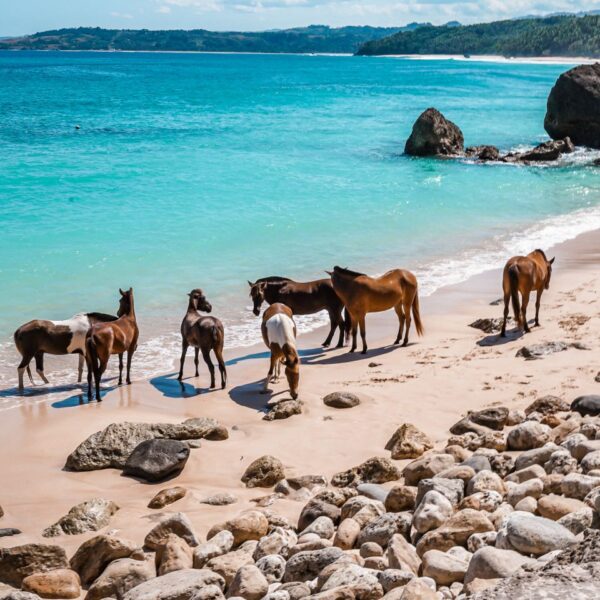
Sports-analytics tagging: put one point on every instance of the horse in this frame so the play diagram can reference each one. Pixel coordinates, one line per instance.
(116, 337)
(39, 336)
(279, 334)
(525, 274)
(203, 333)
(361, 294)
(303, 298)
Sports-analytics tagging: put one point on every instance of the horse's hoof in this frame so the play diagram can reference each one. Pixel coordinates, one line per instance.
(325, 344)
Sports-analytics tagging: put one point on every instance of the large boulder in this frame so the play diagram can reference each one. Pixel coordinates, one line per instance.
(434, 135)
(573, 107)
(536, 535)
(493, 563)
(120, 576)
(87, 516)
(265, 471)
(177, 585)
(19, 562)
(112, 446)
(158, 459)
(408, 442)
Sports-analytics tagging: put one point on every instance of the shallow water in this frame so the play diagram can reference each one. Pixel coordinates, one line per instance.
(209, 170)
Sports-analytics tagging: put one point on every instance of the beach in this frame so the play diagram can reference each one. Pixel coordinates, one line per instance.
(431, 383)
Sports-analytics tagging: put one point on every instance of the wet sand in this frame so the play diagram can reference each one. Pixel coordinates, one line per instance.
(431, 383)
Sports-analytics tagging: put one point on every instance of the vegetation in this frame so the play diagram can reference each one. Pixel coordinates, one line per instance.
(566, 35)
(315, 38)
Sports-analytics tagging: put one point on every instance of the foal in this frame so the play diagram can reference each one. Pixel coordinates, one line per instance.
(204, 334)
(279, 333)
(525, 274)
(116, 337)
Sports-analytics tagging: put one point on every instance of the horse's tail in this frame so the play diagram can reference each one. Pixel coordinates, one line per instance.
(513, 279)
(291, 358)
(417, 314)
(347, 324)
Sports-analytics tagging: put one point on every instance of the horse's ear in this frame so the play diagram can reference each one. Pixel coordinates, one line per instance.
(250, 283)
(552, 260)
(131, 290)
(330, 273)
(121, 292)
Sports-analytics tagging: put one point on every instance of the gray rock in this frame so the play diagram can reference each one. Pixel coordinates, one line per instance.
(322, 526)
(178, 585)
(223, 499)
(543, 349)
(91, 515)
(431, 512)
(112, 446)
(547, 405)
(495, 418)
(305, 566)
(587, 405)
(493, 563)
(537, 456)
(384, 527)
(373, 470)
(156, 460)
(443, 567)
(478, 462)
(535, 535)
(434, 135)
(576, 485)
(284, 410)
(272, 567)
(219, 544)
(9, 531)
(528, 435)
(427, 467)
(341, 400)
(177, 523)
(19, 562)
(120, 576)
(452, 489)
(316, 508)
(394, 578)
(374, 491)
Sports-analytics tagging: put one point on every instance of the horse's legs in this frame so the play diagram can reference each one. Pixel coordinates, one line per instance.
(80, 368)
(400, 313)
(272, 365)
(121, 369)
(332, 328)
(363, 334)
(222, 369)
(354, 332)
(196, 352)
(24, 365)
(89, 376)
(211, 367)
(524, 311)
(506, 301)
(184, 347)
(129, 357)
(407, 307)
(341, 325)
(39, 366)
(538, 298)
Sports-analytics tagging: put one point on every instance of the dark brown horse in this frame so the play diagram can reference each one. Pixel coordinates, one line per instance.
(204, 334)
(39, 337)
(362, 294)
(279, 334)
(525, 274)
(303, 298)
(116, 337)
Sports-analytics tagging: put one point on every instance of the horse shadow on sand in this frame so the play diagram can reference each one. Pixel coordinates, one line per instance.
(324, 358)
(495, 339)
(170, 387)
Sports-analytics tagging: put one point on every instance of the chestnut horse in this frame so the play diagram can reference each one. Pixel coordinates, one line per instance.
(303, 298)
(362, 294)
(279, 333)
(116, 337)
(204, 334)
(525, 274)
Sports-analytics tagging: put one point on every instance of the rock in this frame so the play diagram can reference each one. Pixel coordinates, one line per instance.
(443, 568)
(177, 523)
(173, 554)
(370, 549)
(529, 534)
(478, 462)
(433, 510)
(351, 575)
(488, 501)
(374, 470)
(547, 405)
(485, 154)
(579, 446)
(341, 400)
(515, 417)
(373, 491)
(322, 526)
(481, 540)
(486, 481)
(528, 435)
(391, 579)
(316, 508)
(527, 504)
(579, 521)
(227, 565)
(157, 459)
(402, 555)
(455, 531)
(531, 488)
(11, 594)
(401, 497)
(540, 350)
(179, 585)
(112, 446)
(19, 562)
(265, 471)
(384, 527)
(573, 106)
(87, 516)
(452, 489)
(462, 472)
(346, 534)
(59, 583)
(466, 425)
(296, 590)
(249, 525)
(167, 496)
(591, 461)
(279, 541)
(249, 583)
(408, 442)
(587, 405)
(494, 418)
(305, 566)
(459, 453)
(535, 471)
(416, 589)
(362, 509)
(561, 462)
(284, 410)
(120, 576)
(493, 563)
(425, 468)
(545, 152)
(219, 544)
(272, 567)
(9, 531)
(537, 456)
(223, 499)
(576, 485)
(434, 135)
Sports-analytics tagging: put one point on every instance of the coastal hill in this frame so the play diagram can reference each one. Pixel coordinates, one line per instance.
(314, 38)
(567, 35)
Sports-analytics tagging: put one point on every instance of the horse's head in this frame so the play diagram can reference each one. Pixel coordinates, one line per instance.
(199, 301)
(125, 302)
(257, 293)
(549, 264)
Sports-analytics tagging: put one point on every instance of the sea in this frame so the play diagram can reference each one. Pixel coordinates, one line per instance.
(166, 172)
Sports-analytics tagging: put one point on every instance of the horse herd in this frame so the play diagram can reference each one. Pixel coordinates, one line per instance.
(347, 296)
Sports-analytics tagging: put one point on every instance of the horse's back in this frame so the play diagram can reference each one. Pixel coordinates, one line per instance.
(281, 330)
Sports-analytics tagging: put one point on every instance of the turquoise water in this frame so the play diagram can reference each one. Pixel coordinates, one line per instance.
(208, 170)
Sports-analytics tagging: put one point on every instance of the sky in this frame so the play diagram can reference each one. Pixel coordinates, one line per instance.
(18, 17)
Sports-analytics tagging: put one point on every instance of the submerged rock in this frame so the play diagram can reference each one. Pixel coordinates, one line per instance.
(87, 516)
(545, 152)
(484, 154)
(434, 135)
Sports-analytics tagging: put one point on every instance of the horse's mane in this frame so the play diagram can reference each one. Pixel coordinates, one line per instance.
(542, 253)
(347, 272)
(272, 279)
(102, 317)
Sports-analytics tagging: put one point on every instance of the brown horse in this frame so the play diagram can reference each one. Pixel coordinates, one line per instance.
(525, 274)
(279, 333)
(303, 298)
(204, 334)
(116, 337)
(362, 294)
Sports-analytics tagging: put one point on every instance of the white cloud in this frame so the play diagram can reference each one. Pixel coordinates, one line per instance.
(120, 15)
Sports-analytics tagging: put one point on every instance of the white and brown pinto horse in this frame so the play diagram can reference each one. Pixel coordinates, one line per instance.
(39, 337)
(525, 274)
(279, 333)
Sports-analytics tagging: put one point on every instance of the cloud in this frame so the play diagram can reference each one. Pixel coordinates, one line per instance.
(120, 15)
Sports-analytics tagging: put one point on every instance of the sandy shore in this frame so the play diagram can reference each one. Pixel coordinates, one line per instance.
(532, 60)
(431, 383)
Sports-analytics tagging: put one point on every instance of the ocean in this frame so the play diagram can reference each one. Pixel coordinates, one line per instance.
(168, 172)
